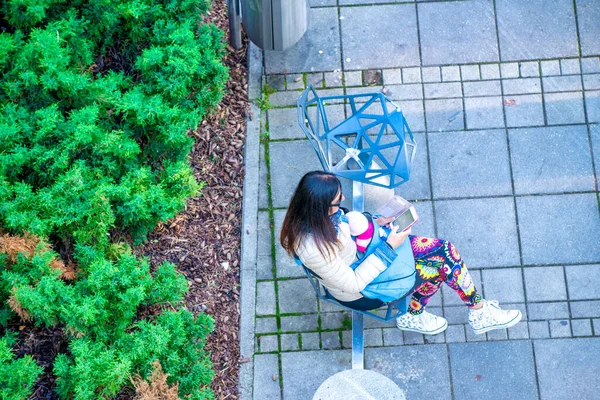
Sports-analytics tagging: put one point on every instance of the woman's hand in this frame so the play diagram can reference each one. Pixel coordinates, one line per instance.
(382, 221)
(395, 238)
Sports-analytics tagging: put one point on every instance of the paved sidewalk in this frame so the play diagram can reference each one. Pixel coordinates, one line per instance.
(504, 99)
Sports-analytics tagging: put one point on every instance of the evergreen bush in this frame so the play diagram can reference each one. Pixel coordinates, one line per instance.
(17, 377)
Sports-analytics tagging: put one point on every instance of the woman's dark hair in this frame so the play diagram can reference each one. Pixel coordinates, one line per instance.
(308, 212)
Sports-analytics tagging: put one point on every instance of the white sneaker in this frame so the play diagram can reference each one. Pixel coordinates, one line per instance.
(425, 323)
(491, 316)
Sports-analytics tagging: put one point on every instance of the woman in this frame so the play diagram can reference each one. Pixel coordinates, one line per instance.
(314, 231)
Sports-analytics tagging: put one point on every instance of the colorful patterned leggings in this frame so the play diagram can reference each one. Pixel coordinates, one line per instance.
(438, 261)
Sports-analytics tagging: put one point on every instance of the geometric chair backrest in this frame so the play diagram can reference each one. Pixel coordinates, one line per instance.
(373, 145)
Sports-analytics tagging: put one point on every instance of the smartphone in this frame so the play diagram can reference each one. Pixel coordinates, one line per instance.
(402, 210)
(407, 219)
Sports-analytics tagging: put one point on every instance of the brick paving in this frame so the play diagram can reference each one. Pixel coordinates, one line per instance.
(504, 99)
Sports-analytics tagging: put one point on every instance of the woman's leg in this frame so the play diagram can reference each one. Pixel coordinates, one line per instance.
(438, 261)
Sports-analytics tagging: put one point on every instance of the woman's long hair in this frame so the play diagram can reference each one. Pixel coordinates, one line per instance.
(308, 213)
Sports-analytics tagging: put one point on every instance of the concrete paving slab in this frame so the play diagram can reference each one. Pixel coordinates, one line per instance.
(539, 330)
(581, 287)
(546, 311)
(265, 298)
(404, 365)
(588, 15)
(444, 115)
(497, 370)
(504, 285)
(570, 359)
(296, 296)
(318, 50)
(592, 104)
(581, 327)
(300, 382)
(585, 309)
(462, 167)
(551, 159)
(446, 39)
(264, 260)
(484, 112)
(300, 323)
(564, 108)
(265, 366)
(263, 192)
(426, 225)
(529, 30)
(417, 188)
(545, 283)
(539, 217)
(482, 88)
(523, 110)
(384, 37)
(289, 342)
(483, 230)
(311, 341)
(560, 329)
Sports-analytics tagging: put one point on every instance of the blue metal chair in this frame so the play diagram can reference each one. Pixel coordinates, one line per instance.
(374, 145)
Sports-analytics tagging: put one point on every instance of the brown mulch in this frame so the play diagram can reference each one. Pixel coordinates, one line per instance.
(204, 241)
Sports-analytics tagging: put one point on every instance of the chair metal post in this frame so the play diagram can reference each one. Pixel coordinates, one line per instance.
(235, 29)
(358, 348)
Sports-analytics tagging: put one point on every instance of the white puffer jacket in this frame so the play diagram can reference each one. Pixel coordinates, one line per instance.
(336, 274)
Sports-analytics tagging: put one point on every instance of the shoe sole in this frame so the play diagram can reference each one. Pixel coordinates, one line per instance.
(434, 332)
(506, 325)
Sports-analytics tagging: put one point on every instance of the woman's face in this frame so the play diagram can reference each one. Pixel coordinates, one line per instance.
(335, 205)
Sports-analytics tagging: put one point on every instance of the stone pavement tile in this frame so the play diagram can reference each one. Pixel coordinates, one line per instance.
(551, 67)
(595, 136)
(444, 115)
(408, 91)
(539, 330)
(418, 185)
(544, 311)
(456, 314)
(286, 170)
(265, 298)
(392, 76)
(296, 296)
(470, 72)
(483, 230)
(461, 167)
(561, 83)
(286, 266)
(585, 309)
(581, 327)
(266, 325)
(596, 323)
(384, 37)
(263, 193)
(591, 82)
(392, 337)
(455, 334)
(289, 342)
(545, 283)
(519, 331)
(304, 371)
(405, 366)
(322, 3)
(353, 78)
(474, 337)
(265, 366)
(412, 337)
(588, 15)
(445, 39)
(451, 298)
(322, 35)
(560, 328)
(310, 341)
(330, 340)
(375, 323)
(564, 108)
(264, 260)
(570, 66)
(530, 68)
(576, 213)
(498, 334)
(484, 112)
(354, 2)
(590, 65)
(493, 370)
(490, 71)
(414, 114)
(592, 103)
(431, 339)
(299, 323)
(509, 70)
(504, 285)
(276, 82)
(373, 337)
(451, 73)
(283, 99)
(521, 86)
(430, 74)
(571, 359)
(523, 110)
(268, 343)
(581, 287)
(294, 81)
(442, 90)
(334, 320)
(482, 88)
(283, 123)
(413, 74)
(326, 306)
(529, 30)
(315, 79)
(425, 226)
(551, 159)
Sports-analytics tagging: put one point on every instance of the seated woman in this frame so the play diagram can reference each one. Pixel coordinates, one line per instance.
(313, 230)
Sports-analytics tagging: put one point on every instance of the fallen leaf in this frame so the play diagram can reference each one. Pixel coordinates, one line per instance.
(477, 377)
(244, 360)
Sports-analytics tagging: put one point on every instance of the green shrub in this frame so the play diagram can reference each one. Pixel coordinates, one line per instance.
(17, 377)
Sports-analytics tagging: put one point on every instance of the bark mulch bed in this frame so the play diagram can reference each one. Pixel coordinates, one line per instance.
(204, 241)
